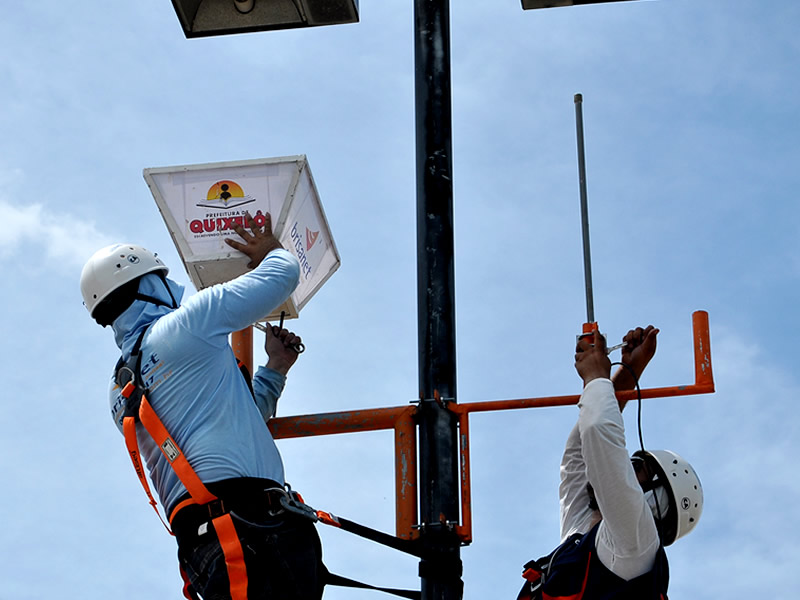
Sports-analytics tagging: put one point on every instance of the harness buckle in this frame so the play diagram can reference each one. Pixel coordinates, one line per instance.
(532, 574)
(328, 518)
(128, 390)
(216, 508)
(292, 502)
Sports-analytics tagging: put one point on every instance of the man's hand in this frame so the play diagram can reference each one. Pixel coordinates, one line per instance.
(280, 345)
(257, 243)
(591, 359)
(639, 348)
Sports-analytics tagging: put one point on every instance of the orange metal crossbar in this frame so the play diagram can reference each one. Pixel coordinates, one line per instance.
(704, 380)
(401, 419)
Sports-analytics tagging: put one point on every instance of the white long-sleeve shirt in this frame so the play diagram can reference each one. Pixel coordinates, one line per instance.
(627, 539)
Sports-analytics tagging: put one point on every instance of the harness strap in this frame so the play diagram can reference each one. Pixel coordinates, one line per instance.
(134, 393)
(223, 525)
(173, 454)
(234, 555)
(178, 508)
(340, 581)
(129, 429)
(407, 546)
(188, 590)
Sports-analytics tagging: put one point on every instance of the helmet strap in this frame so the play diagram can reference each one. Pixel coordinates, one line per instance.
(158, 301)
(169, 290)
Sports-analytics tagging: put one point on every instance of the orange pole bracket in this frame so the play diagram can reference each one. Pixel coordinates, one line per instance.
(464, 530)
(400, 419)
(242, 344)
(703, 374)
(405, 471)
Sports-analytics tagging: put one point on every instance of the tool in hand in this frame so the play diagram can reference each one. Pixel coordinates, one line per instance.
(617, 347)
(608, 350)
(299, 347)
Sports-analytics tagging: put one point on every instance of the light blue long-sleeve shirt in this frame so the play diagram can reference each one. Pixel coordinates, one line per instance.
(196, 387)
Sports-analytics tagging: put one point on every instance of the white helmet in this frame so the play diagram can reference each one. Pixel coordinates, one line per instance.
(112, 267)
(685, 493)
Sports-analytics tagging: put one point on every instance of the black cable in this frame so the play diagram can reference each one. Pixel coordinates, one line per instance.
(639, 423)
(638, 397)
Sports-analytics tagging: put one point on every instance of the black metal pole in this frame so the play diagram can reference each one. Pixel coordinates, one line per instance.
(440, 570)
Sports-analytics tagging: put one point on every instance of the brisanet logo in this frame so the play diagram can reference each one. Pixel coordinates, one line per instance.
(311, 238)
(302, 249)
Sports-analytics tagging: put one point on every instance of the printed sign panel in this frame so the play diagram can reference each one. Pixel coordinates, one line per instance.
(201, 203)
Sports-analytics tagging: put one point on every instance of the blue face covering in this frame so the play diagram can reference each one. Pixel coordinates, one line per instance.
(155, 298)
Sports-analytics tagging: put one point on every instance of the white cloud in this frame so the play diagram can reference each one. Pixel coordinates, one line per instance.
(744, 438)
(61, 236)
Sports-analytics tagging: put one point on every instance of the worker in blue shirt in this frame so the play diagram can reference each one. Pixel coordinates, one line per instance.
(195, 388)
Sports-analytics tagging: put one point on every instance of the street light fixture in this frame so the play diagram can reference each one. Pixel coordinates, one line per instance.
(529, 4)
(202, 18)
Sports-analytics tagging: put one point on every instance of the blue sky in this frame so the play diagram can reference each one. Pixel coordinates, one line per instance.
(690, 121)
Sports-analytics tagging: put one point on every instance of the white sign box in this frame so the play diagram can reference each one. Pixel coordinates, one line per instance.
(200, 203)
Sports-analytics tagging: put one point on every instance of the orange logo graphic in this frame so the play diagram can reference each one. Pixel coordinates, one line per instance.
(225, 194)
(311, 238)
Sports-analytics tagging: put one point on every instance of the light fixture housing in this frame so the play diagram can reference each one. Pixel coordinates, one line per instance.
(202, 18)
(530, 4)
(244, 6)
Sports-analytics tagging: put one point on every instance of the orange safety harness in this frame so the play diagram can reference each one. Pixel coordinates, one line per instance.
(137, 408)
